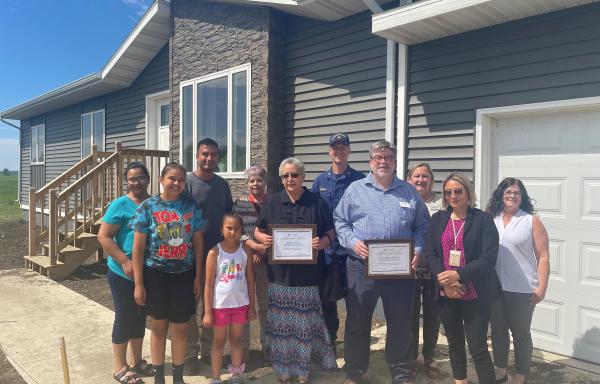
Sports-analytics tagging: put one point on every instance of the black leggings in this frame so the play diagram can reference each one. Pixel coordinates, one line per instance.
(130, 319)
(468, 318)
(512, 311)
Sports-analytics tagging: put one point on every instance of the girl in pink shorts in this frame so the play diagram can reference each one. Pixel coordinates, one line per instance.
(228, 296)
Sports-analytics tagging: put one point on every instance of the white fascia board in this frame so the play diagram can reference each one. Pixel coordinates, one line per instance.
(161, 6)
(433, 19)
(159, 9)
(416, 12)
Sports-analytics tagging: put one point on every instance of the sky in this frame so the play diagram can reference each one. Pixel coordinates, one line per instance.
(47, 44)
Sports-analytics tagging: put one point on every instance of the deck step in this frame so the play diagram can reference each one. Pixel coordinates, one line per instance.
(87, 235)
(43, 261)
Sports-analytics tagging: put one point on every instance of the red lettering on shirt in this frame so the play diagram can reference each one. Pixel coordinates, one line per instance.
(165, 216)
(167, 251)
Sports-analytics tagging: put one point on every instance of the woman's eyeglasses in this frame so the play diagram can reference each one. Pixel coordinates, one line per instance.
(290, 175)
(137, 180)
(512, 193)
(457, 192)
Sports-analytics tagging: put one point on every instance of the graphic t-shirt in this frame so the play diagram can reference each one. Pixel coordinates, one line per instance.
(120, 212)
(231, 288)
(170, 226)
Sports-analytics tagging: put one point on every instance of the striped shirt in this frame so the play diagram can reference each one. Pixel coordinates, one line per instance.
(367, 211)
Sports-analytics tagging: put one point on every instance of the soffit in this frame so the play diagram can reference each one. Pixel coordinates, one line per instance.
(433, 19)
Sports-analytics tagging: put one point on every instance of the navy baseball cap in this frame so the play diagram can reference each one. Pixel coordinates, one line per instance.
(339, 138)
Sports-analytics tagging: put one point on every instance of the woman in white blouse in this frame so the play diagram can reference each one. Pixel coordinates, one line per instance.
(522, 267)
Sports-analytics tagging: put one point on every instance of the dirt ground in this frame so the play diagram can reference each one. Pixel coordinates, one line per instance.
(90, 281)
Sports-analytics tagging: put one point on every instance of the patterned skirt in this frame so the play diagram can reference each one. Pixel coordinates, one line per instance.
(295, 330)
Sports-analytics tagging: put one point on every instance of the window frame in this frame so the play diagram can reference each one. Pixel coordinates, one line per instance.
(92, 113)
(194, 83)
(31, 151)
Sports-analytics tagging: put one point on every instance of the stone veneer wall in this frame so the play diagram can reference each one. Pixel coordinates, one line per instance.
(209, 37)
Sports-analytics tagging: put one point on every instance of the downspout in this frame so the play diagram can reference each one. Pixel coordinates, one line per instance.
(390, 79)
(19, 170)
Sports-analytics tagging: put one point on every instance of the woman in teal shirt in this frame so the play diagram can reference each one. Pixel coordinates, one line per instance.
(116, 238)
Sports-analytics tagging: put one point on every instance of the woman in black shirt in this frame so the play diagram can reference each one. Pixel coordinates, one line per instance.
(295, 329)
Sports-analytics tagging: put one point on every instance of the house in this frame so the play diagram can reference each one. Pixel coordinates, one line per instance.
(490, 88)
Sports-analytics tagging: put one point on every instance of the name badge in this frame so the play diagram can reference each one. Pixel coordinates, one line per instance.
(405, 204)
(454, 259)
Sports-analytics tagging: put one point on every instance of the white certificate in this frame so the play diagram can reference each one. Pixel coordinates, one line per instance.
(292, 244)
(389, 259)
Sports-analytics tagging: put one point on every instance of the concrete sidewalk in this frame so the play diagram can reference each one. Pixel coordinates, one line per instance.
(35, 312)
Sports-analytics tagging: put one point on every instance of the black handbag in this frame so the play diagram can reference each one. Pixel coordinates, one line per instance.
(331, 289)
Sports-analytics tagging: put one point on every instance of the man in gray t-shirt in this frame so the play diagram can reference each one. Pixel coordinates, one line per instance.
(213, 196)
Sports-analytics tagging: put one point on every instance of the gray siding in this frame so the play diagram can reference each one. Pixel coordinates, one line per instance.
(549, 57)
(125, 117)
(63, 143)
(124, 121)
(335, 78)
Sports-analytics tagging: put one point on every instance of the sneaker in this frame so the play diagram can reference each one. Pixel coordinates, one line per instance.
(191, 366)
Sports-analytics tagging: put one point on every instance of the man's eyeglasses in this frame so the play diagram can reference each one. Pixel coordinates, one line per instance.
(512, 193)
(290, 175)
(457, 192)
(137, 180)
(379, 159)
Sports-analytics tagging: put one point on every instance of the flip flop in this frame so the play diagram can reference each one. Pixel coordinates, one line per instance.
(127, 376)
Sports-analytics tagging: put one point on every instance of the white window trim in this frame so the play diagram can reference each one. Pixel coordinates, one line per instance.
(193, 82)
(81, 129)
(152, 101)
(31, 162)
(486, 119)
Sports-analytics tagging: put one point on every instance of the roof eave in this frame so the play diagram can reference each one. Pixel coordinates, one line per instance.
(434, 19)
(108, 79)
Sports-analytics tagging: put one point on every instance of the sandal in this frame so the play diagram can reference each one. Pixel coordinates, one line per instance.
(143, 368)
(127, 376)
(431, 370)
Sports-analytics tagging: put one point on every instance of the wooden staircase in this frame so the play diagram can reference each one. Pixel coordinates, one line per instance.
(64, 215)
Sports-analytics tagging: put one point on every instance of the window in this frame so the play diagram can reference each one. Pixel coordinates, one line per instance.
(92, 132)
(217, 106)
(38, 144)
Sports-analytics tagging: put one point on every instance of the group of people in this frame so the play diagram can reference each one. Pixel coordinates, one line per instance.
(191, 253)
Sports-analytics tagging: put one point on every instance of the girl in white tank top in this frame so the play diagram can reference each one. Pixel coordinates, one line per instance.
(228, 296)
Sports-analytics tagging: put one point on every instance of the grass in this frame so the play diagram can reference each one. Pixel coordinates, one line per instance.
(9, 209)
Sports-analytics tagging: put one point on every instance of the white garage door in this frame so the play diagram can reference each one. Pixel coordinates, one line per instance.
(557, 155)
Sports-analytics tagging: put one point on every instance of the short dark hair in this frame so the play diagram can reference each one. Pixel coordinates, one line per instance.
(171, 166)
(231, 215)
(496, 204)
(208, 142)
(135, 165)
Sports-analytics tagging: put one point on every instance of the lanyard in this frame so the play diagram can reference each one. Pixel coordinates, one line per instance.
(456, 233)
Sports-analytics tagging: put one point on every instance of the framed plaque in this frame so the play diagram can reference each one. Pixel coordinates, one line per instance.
(389, 259)
(292, 244)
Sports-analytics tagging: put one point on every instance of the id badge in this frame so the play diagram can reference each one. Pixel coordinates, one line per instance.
(454, 260)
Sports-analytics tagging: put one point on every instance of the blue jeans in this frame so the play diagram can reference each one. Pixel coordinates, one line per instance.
(130, 319)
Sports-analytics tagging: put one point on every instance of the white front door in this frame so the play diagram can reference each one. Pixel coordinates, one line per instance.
(557, 156)
(163, 119)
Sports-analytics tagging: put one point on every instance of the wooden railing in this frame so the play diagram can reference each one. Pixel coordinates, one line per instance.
(72, 203)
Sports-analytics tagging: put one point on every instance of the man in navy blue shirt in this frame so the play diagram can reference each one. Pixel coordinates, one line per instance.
(331, 185)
